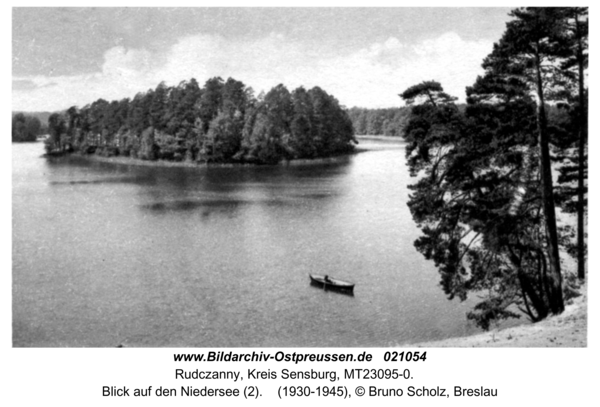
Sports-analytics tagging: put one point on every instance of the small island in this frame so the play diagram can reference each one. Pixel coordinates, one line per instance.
(222, 122)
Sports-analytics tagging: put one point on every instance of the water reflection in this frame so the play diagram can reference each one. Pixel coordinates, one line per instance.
(325, 289)
(192, 205)
(119, 180)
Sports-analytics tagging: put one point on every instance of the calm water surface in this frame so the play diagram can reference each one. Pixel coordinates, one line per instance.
(107, 254)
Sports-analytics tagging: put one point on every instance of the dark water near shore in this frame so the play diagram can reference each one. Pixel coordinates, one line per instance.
(107, 254)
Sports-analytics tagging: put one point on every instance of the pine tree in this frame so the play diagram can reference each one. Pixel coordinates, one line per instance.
(477, 197)
(530, 50)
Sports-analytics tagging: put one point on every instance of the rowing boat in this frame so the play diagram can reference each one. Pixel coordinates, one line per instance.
(330, 283)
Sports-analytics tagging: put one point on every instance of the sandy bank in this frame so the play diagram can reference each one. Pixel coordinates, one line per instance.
(568, 330)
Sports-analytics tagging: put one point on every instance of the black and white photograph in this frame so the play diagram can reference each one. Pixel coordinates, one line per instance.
(299, 177)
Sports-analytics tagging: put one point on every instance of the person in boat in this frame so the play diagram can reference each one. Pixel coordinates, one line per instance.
(327, 279)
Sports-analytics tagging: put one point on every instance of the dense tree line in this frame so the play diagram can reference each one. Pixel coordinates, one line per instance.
(26, 128)
(375, 122)
(485, 196)
(221, 122)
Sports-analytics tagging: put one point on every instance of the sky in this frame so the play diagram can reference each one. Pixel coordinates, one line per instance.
(363, 56)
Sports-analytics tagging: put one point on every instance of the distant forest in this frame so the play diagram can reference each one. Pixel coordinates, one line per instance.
(27, 127)
(221, 122)
(379, 122)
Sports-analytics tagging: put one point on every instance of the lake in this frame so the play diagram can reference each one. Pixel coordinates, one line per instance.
(107, 254)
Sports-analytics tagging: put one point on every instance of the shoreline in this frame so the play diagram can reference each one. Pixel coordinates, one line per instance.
(397, 139)
(190, 164)
(123, 160)
(567, 330)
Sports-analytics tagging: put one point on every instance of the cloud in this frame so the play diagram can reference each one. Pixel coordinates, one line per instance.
(120, 62)
(369, 77)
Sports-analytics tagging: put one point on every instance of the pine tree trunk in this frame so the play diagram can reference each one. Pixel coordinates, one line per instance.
(581, 174)
(555, 295)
